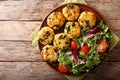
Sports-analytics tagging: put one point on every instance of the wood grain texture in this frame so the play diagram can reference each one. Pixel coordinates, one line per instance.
(18, 51)
(26, 9)
(17, 30)
(106, 71)
(41, 71)
(36, 10)
(24, 52)
(20, 61)
(113, 55)
(20, 30)
(108, 8)
(28, 71)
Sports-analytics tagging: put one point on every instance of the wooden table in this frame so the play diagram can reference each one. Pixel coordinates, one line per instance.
(20, 61)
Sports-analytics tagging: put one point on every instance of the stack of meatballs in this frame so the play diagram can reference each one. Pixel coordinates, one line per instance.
(72, 19)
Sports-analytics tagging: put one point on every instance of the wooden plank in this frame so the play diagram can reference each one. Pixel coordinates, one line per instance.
(108, 8)
(28, 71)
(23, 51)
(30, 9)
(106, 71)
(114, 26)
(18, 51)
(17, 30)
(41, 71)
(114, 55)
(36, 10)
(107, 5)
(20, 30)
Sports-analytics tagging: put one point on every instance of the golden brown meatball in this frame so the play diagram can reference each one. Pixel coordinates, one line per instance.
(55, 20)
(87, 19)
(71, 12)
(46, 35)
(61, 41)
(49, 53)
(72, 29)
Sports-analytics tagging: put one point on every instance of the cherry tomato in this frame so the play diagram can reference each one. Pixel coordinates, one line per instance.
(102, 46)
(63, 69)
(85, 49)
(73, 45)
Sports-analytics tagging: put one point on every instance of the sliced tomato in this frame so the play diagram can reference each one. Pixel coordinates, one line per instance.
(102, 46)
(73, 45)
(63, 69)
(85, 49)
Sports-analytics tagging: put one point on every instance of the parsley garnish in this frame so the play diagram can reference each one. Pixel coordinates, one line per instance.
(68, 28)
(73, 25)
(62, 36)
(87, 23)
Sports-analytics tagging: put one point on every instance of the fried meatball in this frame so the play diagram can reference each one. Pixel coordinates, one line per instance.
(49, 53)
(87, 19)
(71, 12)
(55, 20)
(46, 35)
(72, 29)
(61, 41)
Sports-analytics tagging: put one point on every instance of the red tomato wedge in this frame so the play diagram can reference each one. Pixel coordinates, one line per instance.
(73, 45)
(85, 49)
(63, 69)
(102, 46)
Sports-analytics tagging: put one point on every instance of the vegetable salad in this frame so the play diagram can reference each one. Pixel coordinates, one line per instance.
(86, 51)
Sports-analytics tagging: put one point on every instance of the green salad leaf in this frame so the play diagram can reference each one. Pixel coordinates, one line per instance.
(65, 58)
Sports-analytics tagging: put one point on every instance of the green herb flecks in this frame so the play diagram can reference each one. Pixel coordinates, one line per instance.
(87, 23)
(68, 28)
(41, 40)
(66, 42)
(62, 36)
(73, 25)
(69, 6)
(56, 26)
(46, 48)
(47, 34)
(55, 49)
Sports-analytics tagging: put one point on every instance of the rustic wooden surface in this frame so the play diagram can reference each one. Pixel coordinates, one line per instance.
(20, 61)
